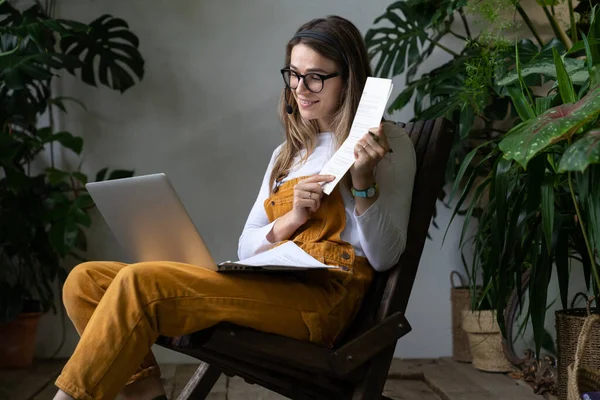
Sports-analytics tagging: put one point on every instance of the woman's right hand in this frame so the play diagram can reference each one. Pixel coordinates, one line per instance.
(307, 197)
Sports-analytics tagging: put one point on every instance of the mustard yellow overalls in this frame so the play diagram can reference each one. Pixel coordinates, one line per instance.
(120, 309)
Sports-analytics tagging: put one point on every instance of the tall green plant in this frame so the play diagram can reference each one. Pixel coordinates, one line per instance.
(541, 198)
(43, 214)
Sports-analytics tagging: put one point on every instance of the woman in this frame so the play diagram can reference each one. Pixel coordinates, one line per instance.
(120, 309)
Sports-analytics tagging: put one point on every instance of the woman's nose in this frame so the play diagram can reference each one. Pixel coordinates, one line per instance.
(301, 88)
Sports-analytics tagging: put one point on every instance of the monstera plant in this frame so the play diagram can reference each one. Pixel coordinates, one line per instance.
(44, 207)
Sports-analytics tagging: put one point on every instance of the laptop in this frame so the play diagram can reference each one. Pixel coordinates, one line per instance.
(149, 221)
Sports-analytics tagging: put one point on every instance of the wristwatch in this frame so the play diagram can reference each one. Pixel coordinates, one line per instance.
(367, 193)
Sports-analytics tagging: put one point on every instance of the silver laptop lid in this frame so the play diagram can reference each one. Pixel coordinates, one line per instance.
(149, 220)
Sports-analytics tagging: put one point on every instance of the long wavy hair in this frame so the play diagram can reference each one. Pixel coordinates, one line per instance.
(301, 134)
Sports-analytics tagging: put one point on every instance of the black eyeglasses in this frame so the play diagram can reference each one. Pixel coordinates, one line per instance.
(313, 81)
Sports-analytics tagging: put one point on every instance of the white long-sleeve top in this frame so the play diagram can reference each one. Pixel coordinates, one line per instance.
(379, 234)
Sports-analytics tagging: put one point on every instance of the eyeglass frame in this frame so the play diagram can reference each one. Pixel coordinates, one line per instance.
(303, 77)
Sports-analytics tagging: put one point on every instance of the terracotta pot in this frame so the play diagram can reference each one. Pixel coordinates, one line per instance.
(485, 339)
(17, 341)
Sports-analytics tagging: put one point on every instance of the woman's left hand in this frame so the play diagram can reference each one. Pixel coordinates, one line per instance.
(369, 150)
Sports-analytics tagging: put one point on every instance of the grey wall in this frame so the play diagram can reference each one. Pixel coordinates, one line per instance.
(205, 114)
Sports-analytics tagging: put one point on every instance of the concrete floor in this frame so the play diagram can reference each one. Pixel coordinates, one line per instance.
(433, 379)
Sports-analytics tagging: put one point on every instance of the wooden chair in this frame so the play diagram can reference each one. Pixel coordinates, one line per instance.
(357, 367)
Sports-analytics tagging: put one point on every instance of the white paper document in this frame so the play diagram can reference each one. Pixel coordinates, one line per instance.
(368, 115)
(288, 255)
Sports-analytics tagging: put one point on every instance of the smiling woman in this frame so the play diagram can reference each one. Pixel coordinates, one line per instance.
(120, 309)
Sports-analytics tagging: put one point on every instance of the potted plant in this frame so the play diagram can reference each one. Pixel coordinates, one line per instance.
(547, 183)
(527, 218)
(44, 209)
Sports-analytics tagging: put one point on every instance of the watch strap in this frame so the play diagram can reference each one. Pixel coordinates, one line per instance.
(366, 193)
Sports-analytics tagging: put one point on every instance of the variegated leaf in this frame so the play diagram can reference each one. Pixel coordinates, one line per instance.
(526, 140)
(582, 153)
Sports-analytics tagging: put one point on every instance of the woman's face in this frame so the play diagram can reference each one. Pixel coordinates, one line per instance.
(319, 106)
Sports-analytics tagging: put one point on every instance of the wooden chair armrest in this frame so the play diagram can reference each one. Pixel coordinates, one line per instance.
(360, 350)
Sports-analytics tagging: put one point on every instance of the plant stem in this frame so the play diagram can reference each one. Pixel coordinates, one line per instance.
(584, 232)
(461, 11)
(461, 37)
(441, 46)
(573, 25)
(51, 118)
(528, 22)
(558, 31)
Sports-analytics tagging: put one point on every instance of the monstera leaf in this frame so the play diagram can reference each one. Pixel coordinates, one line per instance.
(109, 52)
(582, 153)
(527, 139)
(398, 44)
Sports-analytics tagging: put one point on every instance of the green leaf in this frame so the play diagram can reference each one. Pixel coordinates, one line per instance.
(595, 77)
(565, 86)
(546, 67)
(591, 199)
(542, 104)
(71, 142)
(594, 33)
(521, 103)
(55, 176)
(562, 266)
(588, 54)
(577, 47)
(60, 102)
(100, 175)
(120, 174)
(396, 41)
(83, 201)
(108, 51)
(461, 171)
(80, 177)
(583, 152)
(402, 99)
(531, 137)
(548, 210)
(538, 294)
(81, 217)
(467, 117)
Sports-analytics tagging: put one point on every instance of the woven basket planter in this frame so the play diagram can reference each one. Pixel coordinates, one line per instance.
(569, 325)
(581, 376)
(460, 298)
(485, 339)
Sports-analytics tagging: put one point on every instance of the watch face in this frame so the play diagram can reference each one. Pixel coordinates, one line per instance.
(371, 192)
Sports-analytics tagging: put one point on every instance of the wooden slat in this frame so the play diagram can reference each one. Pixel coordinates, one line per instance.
(409, 390)
(427, 186)
(201, 383)
(503, 387)
(369, 344)
(256, 369)
(23, 384)
(277, 348)
(372, 385)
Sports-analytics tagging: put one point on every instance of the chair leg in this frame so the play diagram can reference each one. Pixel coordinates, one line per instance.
(371, 387)
(200, 385)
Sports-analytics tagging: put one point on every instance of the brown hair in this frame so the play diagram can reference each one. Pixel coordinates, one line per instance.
(301, 134)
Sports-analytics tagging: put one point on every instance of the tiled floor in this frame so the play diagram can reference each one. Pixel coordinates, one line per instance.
(408, 380)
